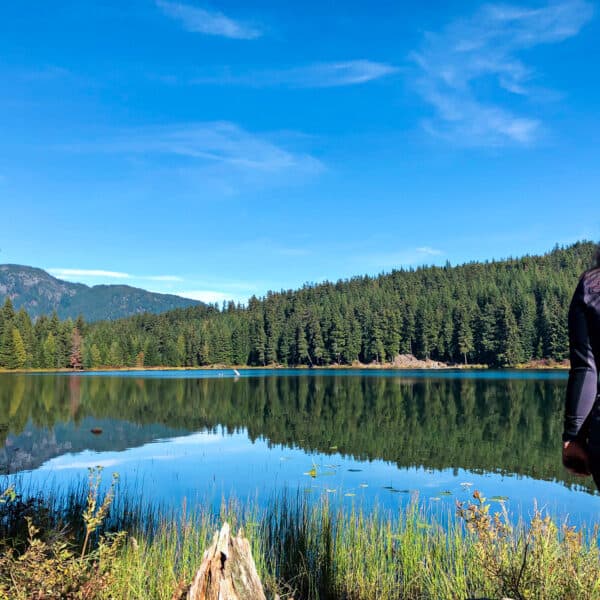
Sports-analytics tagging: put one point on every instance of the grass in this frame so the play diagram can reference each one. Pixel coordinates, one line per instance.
(303, 549)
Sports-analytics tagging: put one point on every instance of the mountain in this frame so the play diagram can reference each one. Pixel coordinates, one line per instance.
(39, 293)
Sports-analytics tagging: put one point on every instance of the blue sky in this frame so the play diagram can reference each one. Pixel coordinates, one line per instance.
(219, 150)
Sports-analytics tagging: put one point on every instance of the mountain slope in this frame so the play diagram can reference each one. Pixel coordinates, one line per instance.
(40, 293)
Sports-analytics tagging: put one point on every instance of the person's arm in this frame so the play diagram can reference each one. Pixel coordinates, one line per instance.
(583, 376)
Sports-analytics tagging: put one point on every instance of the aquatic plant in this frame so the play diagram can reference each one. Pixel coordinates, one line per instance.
(303, 549)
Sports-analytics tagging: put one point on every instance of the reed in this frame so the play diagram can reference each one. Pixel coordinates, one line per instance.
(311, 550)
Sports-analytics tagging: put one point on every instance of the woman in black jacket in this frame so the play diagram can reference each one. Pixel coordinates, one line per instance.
(581, 435)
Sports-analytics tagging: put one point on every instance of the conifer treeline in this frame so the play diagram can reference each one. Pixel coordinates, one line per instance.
(499, 313)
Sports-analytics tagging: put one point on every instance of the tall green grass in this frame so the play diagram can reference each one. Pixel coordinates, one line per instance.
(315, 550)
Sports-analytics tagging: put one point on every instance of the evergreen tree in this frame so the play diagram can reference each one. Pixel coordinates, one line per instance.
(316, 347)
(302, 356)
(50, 351)
(20, 354)
(115, 356)
(180, 357)
(337, 338)
(464, 333)
(95, 357)
(258, 341)
(76, 360)
(509, 349)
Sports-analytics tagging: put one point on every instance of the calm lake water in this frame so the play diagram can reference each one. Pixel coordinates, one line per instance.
(368, 436)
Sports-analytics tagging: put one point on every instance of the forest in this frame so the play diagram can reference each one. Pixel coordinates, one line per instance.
(497, 313)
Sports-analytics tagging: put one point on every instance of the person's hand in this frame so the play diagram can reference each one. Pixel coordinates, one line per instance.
(575, 458)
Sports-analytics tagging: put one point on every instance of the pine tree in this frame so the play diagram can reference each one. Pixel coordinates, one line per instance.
(23, 324)
(509, 350)
(258, 341)
(374, 341)
(391, 335)
(302, 356)
(50, 352)
(337, 337)
(353, 343)
(95, 357)
(554, 331)
(316, 346)
(485, 334)
(20, 354)
(75, 359)
(8, 311)
(115, 356)
(180, 351)
(464, 333)
(272, 332)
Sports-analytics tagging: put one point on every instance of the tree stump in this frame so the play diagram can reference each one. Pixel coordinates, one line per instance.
(228, 571)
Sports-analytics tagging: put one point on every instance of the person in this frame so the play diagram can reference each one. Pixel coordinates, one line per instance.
(581, 434)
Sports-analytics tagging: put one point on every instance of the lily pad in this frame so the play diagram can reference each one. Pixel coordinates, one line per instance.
(394, 490)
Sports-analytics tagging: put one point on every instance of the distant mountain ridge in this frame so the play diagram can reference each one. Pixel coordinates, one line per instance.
(39, 293)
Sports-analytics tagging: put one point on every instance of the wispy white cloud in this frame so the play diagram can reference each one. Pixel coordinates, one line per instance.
(216, 290)
(219, 143)
(428, 251)
(102, 274)
(318, 75)
(452, 62)
(200, 20)
(89, 273)
(222, 289)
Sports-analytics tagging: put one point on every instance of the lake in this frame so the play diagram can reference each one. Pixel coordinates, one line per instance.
(354, 436)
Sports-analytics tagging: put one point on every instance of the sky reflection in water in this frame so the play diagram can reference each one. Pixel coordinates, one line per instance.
(373, 437)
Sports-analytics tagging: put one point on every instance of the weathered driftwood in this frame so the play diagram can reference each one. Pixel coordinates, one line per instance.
(227, 571)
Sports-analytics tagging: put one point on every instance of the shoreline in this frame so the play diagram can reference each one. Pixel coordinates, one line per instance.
(531, 366)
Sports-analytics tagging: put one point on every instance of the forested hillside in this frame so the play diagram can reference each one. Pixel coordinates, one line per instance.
(39, 293)
(498, 313)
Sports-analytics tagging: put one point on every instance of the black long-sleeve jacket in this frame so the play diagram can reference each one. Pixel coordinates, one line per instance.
(584, 341)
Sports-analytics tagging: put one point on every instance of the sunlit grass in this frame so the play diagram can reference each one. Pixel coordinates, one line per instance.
(320, 550)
